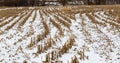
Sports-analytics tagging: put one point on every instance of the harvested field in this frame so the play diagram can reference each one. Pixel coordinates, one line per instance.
(70, 34)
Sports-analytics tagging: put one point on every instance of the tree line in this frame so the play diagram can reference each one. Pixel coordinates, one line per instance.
(42, 2)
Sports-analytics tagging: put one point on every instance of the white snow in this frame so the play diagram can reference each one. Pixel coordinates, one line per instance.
(91, 39)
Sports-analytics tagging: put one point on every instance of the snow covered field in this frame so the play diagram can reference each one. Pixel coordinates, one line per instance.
(71, 34)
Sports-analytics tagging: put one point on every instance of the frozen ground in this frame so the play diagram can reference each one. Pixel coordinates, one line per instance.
(60, 34)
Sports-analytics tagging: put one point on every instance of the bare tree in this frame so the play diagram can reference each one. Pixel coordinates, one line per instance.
(63, 2)
(43, 2)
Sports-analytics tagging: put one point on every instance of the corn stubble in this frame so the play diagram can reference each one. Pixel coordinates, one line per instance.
(61, 18)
